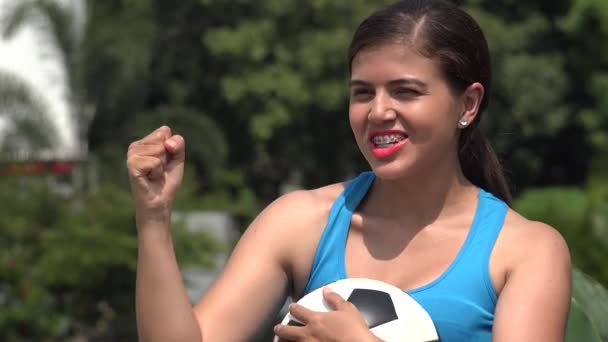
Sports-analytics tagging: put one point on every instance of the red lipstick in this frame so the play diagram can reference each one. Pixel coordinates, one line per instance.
(383, 152)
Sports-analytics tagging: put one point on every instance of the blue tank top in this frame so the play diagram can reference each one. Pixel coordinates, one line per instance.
(460, 301)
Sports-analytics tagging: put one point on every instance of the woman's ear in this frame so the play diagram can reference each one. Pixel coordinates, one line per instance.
(471, 100)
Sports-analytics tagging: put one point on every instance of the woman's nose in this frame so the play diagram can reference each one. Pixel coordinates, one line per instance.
(381, 109)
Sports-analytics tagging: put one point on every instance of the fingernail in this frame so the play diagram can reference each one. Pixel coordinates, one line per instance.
(171, 143)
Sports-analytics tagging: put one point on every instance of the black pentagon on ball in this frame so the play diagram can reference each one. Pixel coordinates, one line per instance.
(376, 306)
(295, 323)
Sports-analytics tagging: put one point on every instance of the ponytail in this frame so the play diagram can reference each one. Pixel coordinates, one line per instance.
(480, 163)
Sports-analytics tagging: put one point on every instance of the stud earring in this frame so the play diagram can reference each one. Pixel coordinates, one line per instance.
(463, 123)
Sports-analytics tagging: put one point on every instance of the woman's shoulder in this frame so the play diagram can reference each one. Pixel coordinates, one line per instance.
(532, 248)
(293, 224)
(303, 208)
(311, 202)
(527, 240)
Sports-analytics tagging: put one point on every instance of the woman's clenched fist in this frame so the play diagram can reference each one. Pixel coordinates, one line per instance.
(156, 168)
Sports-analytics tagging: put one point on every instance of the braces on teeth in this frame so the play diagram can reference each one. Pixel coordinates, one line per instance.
(388, 139)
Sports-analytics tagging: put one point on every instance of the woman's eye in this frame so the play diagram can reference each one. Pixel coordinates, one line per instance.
(406, 92)
(362, 93)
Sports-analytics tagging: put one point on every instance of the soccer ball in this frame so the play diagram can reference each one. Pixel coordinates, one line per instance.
(391, 314)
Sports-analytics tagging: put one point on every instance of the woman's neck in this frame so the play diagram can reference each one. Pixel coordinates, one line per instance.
(419, 200)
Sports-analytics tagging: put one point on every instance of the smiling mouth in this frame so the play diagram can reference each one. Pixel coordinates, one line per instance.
(387, 140)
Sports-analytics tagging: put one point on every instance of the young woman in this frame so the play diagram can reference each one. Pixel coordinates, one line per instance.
(431, 217)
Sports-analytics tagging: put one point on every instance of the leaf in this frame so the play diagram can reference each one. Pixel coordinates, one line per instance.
(593, 300)
(580, 327)
(599, 223)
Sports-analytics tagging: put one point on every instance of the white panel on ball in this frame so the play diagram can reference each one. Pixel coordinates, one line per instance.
(412, 323)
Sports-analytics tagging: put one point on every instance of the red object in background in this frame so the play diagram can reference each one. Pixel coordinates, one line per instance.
(63, 168)
(59, 168)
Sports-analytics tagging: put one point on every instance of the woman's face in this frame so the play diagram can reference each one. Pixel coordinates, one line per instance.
(402, 113)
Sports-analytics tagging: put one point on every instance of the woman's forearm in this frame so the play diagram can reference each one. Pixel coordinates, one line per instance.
(163, 309)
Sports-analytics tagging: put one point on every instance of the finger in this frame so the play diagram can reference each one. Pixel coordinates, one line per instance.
(145, 166)
(290, 332)
(159, 135)
(176, 146)
(301, 313)
(150, 149)
(335, 300)
(157, 172)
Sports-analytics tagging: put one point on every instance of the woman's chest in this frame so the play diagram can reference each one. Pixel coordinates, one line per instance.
(405, 260)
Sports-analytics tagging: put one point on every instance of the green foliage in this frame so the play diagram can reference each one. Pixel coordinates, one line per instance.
(581, 216)
(585, 28)
(533, 107)
(283, 83)
(271, 80)
(566, 209)
(578, 219)
(206, 145)
(67, 263)
(591, 298)
(235, 197)
(580, 327)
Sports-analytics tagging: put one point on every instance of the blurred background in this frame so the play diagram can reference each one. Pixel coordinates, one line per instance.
(259, 90)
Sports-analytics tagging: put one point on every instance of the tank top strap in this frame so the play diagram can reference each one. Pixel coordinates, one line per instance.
(492, 217)
(470, 274)
(328, 264)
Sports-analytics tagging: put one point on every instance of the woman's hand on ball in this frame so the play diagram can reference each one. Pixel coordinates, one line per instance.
(156, 166)
(344, 323)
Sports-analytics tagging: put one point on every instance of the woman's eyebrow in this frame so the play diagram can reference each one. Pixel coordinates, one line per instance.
(399, 81)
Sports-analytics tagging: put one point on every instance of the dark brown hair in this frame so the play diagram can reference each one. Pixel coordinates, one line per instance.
(447, 34)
